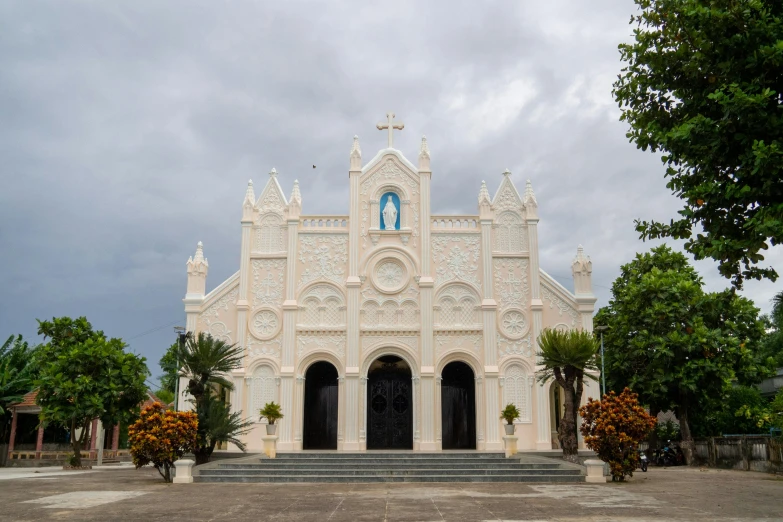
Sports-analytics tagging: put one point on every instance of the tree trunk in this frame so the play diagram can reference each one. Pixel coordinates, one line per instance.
(686, 445)
(166, 472)
(566, 433)
(76, 445)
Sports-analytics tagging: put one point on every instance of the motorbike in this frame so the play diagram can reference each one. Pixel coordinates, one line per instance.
(643, 461)
(668, 456)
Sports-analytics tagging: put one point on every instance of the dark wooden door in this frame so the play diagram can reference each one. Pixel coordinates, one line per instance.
(458, 407)
(389, 409)
(320, 407)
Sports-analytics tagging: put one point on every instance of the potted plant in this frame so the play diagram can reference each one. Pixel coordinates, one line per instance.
(510, 413)
(271, 411)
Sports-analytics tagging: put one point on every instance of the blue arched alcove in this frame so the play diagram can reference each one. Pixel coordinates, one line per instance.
(384, 200)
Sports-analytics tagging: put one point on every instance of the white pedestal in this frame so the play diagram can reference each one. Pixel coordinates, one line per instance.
(184, 471)
(510, 443)
(595, 471)
(270, 445)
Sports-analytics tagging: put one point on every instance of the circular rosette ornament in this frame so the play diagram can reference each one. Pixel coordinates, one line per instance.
(265, 323)
(513, 324)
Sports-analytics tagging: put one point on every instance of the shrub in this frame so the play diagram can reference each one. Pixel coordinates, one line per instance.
(161, 436)
(613, 427)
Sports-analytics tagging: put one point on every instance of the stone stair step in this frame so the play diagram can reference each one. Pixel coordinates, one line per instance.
(272, 464)
(385, 471)
(392, 478)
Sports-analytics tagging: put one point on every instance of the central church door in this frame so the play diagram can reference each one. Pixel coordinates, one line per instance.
(458, 406)
(389, 404)
(320, 407)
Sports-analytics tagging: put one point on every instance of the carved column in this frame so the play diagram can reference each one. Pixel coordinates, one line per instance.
(489, 318)
(544, 434)
(290, 308)
(429, 411)
(350, 420)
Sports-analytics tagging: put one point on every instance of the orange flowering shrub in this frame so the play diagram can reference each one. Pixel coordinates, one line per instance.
(162, 436)
(613, 427)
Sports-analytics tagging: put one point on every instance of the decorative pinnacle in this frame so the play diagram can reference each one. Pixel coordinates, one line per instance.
(506, 172)
(273, 173)
(296, 196)
(250, 195)
(529, 196)
(199, 257)
(425, 149)
(484, 194)
(356, 151)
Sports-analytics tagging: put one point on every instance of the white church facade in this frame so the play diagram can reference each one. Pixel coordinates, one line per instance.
(390, 327)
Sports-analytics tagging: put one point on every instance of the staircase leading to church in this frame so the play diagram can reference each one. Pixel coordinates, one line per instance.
(378, 466)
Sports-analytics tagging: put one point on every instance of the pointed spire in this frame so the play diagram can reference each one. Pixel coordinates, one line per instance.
(273, 173)
(295, 201)
(250, 195)
(507, 173)
(356, 155)
(582, 269)
(295, 194)
(484, 194)
(424, 156)
(425, 149)
(197, 273)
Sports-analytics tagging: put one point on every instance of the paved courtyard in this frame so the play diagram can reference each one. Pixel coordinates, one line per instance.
(127, 494)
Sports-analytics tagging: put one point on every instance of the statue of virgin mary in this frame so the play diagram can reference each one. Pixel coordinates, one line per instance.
(389, 215)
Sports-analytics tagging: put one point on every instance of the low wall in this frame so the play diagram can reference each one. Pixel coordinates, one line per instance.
(743, 453)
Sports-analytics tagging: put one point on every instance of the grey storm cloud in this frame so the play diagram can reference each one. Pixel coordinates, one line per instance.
(129, 131)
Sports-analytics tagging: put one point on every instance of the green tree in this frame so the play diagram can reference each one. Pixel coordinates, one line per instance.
(84, 375)
(738, 410)
(776, 411)
(672, 343)
(772, 345)
(567, 357)
(168, 363)
(702, 84)
(204, 363)
(17, 373)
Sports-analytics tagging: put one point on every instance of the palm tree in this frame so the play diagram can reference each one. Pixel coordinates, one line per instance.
(17, 372)
(566, 357)
(204, 361)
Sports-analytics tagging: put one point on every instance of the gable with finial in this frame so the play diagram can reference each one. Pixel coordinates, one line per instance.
(507, 197)
(272, 198)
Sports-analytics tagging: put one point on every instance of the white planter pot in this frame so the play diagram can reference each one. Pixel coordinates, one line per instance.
(509, 429)
(271, 429)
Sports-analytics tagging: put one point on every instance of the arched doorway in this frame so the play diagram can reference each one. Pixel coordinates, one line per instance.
(320, 407)
(458, 406)
(389, 404)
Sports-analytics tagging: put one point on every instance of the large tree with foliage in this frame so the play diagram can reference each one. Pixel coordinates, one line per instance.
(772, 345)
(703, 84)
(168, 363)
(566, 358)
(83, 376)
(17, 373)
(674, 344)
(205, 361)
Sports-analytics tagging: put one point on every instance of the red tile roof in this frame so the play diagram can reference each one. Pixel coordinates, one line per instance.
(27, 400)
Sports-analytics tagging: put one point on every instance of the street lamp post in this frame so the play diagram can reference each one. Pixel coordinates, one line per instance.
(603, 373)
(181, 340)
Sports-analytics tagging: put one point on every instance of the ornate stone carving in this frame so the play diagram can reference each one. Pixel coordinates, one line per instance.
(383, 311)
(325, 257)
(513, 323)
(370, 342)
(445, 343)
(523, 347)
(271, 200)
(456, 258)
(511, 284)
(270, 348)
(556, 302)
(213, 311)
(322, 305)
(517, 388)
(268, 233)
(268, 281)
(507, 198)
(220, 331)
(458, 306)
(510, 233)
(265, 324)
(333, 343)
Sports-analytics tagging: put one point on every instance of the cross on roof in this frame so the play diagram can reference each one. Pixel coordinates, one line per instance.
(391, 125)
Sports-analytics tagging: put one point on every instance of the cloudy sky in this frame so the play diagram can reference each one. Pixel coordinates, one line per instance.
(129, 131)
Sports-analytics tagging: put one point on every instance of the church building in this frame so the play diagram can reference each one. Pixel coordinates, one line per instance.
(390, 327)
